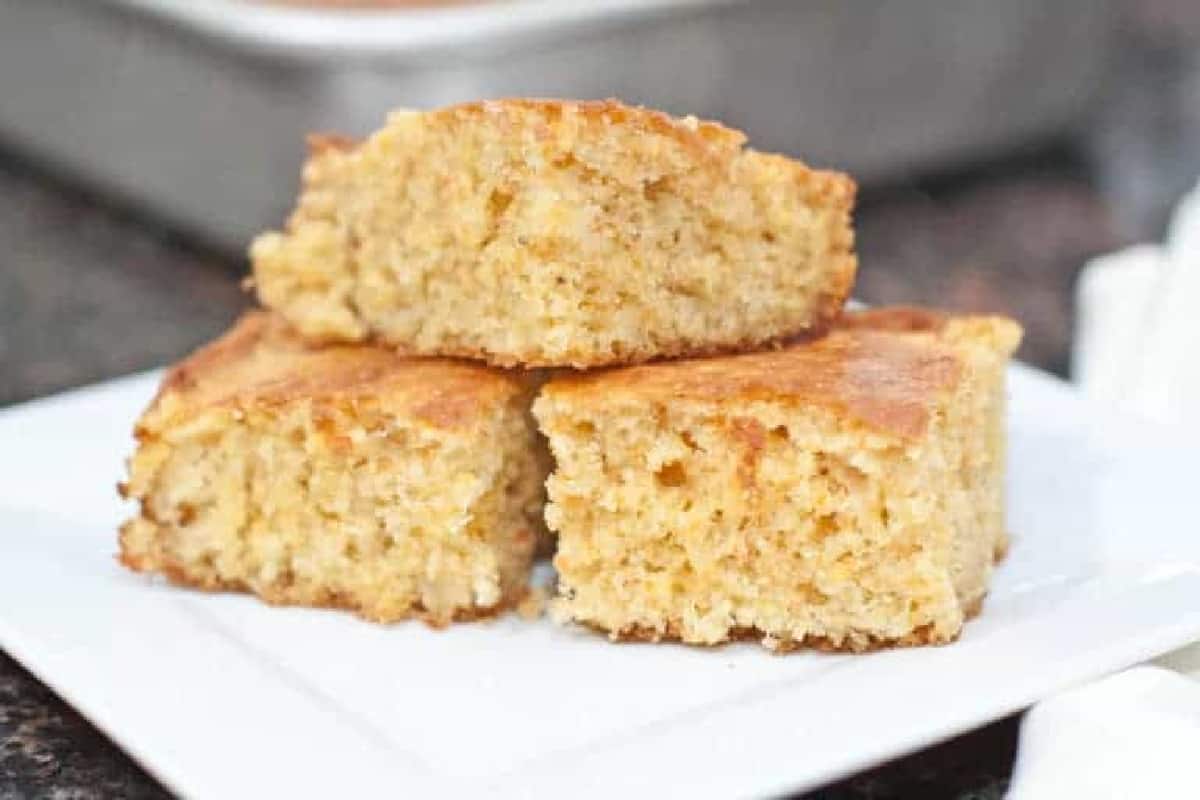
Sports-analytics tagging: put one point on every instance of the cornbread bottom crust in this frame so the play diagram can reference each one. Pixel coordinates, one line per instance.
(827, 309)
(861, 642)
(328, 599)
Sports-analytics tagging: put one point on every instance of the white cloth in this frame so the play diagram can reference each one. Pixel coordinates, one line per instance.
(1112, 314)
(1134, 734)
(1169, 380)
(1137, 350)
(1137, 335)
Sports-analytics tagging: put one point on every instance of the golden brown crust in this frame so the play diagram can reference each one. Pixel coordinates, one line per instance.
(884, 381)
(701, 136)
(1001, 548)
(321, 143)
(178, 575)
(995, 333)
(885, 368)
(261, 361)
(900, 319)
(706, 140)
(868, 643)
(583, 360)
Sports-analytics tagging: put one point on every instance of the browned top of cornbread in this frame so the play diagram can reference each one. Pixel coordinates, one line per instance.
(885, 368)
(709, 142)
(261, 361)
(702, 135)
(900, 319)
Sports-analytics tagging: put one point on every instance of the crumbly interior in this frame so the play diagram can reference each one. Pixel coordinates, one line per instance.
(705, 521)
(558, 234)
(306, 503)
(978, 416)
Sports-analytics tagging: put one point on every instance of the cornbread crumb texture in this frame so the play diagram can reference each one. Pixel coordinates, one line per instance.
(338, 476)
(558, 234)
(844, 493)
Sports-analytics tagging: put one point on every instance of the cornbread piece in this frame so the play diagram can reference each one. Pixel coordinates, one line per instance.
(843, 493)
(554, 233)
(344, 476)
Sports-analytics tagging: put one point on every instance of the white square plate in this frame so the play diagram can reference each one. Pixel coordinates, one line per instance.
(220, 696)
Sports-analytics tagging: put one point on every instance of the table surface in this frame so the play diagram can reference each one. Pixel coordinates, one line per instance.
(90, 291)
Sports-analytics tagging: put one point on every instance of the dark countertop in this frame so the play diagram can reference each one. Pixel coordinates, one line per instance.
(89, 292)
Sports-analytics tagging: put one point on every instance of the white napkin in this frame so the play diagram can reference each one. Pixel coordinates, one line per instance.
(1112, 315)
(1169, 381)
(1134, 734)
(1137, 336)
(1137, 350)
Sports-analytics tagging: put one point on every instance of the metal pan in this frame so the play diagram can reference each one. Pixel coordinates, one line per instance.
(197, 109)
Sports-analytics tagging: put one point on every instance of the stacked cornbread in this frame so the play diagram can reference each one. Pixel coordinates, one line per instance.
(795, 474)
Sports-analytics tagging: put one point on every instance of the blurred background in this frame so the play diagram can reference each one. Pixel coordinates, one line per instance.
(999, 145)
